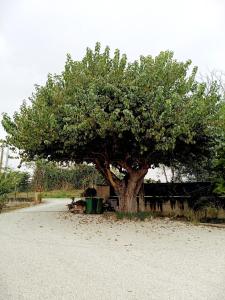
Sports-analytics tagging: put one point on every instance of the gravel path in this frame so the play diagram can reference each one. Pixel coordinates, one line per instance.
(47, 253)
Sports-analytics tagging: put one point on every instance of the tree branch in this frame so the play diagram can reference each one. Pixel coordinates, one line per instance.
(104, 169)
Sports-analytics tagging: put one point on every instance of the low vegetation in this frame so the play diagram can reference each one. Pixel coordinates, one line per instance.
(137, 216)
(9, 181)
(49, 176)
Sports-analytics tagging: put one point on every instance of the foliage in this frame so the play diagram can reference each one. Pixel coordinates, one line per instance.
(8, 182)
(220, 167)
(50, 176)
(150, 180)
(202, 170)
(24, 179)
(13, 180)
(4, 189)
(219, 161)
(106, 111)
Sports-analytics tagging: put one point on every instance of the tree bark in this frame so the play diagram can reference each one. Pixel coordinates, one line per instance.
(127, 199)
(128, 191)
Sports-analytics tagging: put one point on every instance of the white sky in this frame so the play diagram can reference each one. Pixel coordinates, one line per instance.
(35, 36)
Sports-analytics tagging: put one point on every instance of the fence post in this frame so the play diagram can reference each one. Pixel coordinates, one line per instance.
(37, 197)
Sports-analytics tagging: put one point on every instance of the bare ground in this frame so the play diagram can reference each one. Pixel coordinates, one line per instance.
(47, 253)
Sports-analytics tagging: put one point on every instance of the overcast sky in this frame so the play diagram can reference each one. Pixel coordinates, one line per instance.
(35, 36)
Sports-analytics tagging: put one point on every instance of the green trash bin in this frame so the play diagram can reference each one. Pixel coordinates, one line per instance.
(89, 206)
(99, 209)
(94, 205)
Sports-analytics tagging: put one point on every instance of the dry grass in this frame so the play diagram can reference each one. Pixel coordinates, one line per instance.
(14, 206)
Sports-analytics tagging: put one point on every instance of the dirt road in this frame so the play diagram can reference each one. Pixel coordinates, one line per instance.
(46, 253)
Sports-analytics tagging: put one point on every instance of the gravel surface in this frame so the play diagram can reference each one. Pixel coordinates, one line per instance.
(48, 253)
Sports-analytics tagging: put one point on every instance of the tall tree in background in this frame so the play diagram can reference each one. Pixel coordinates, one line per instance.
(129, 116)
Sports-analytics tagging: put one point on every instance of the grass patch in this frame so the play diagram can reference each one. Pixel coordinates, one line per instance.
(213, 220)
(62, 194)
(137, 216)
(210, 215)
(207, 215)
(49, 194)
(21, 195)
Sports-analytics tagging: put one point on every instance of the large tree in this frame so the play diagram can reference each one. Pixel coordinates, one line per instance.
(118, 115)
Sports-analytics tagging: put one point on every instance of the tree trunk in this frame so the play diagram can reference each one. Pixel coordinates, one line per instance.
(127, 188)
(127, 200)
(128, 192)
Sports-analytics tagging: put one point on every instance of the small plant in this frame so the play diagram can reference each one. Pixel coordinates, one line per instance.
(212, 212)
(138, 216)
(2, 204)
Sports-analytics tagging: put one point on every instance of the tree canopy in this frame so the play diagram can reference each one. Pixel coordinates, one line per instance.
(114, 113)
